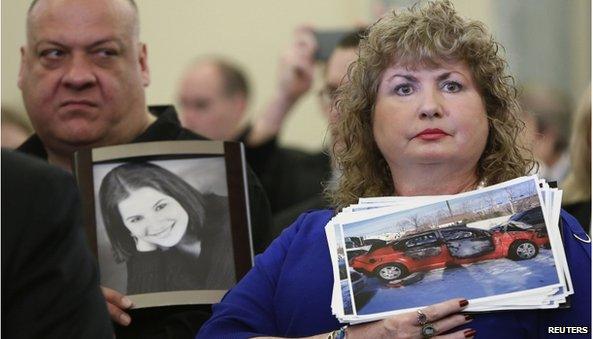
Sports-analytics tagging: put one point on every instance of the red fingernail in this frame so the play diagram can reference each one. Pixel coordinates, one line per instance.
(469, 333)
(468, 317)
(463, 303)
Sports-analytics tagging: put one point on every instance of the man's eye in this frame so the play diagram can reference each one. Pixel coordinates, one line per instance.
(51, 53)
(403, 90)
(106, 52)
(452, 86)
(160, 206)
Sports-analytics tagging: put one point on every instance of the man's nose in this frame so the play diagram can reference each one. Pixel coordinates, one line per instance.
(80, 74)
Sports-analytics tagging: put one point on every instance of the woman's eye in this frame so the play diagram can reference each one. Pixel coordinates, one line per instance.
(135, 219)
(404, 89)
(160, 206)
(452, 86)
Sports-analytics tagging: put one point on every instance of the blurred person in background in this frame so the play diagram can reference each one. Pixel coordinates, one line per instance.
(213, 98)
(546, 113)
(213, 94)
(15, 128)
(577, 187)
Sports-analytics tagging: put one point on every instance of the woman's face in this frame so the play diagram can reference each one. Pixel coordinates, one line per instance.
(153, 218)
(429, 116)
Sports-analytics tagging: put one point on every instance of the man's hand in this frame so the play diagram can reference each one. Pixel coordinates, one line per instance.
(116, 303)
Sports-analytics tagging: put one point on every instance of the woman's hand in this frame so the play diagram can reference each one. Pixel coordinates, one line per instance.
(116, 303)
(441, 317)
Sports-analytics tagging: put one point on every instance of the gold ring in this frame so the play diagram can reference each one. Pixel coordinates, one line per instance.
(422, 319)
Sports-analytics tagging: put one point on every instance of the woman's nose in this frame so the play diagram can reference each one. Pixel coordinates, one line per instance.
(430, 105)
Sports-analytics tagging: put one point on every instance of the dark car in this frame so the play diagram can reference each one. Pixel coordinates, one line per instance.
(533, 217)
(438, 248)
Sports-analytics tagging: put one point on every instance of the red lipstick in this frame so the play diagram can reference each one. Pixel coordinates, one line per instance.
(431, 134)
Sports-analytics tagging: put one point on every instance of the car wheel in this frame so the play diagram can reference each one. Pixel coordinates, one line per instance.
(522, 250)
(391, 272)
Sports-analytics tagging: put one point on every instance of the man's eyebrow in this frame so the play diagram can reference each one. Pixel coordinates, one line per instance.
(50, 42)
(105, 41)
(93, 45)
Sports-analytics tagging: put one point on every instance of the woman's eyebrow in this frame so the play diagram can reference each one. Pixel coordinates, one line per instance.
(133, 216)
(408, 77)
(444, 76)
(158, 202)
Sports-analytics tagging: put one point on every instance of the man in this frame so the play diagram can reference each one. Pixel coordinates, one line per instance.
(213, 95)
(50, 286)
(83, 73)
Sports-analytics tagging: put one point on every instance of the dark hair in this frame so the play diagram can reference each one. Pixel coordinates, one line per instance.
(118, 184)
(234, 79)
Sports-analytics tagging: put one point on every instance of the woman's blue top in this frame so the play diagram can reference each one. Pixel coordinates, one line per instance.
(288, 292)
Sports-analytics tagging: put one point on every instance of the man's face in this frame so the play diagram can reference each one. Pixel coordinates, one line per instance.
(205, 106)
(337, 68)
(83, 73)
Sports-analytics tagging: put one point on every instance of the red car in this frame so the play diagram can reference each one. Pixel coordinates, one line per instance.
(449, 246)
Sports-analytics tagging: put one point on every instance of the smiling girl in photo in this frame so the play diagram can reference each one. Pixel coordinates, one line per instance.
(169, 234)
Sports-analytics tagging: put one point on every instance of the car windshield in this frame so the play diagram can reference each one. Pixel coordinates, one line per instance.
(422, 240)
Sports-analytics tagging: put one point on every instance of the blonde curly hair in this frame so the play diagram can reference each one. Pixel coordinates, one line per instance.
(424, 36)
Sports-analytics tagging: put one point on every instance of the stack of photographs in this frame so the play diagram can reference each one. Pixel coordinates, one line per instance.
(499, 247)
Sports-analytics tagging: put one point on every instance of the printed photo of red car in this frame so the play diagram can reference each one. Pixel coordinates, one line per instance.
(449, 246)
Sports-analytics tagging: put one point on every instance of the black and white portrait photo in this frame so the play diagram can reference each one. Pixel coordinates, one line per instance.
(164, 225)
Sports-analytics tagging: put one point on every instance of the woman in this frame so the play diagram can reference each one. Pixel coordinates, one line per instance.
(429, 110)
(158, 225)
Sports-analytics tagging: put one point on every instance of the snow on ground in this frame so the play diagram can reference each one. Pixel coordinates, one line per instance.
(477, 280)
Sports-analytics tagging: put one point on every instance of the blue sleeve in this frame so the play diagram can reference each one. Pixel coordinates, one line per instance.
(578, 255)
(248, 309)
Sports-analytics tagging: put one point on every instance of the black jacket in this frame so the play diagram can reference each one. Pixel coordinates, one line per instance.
(50, 285)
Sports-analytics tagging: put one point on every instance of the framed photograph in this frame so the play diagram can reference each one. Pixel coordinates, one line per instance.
(168, 221)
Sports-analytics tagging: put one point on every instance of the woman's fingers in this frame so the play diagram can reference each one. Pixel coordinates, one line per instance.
(116, 303)
(441, 310)
(447, 323)
(434, 319)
